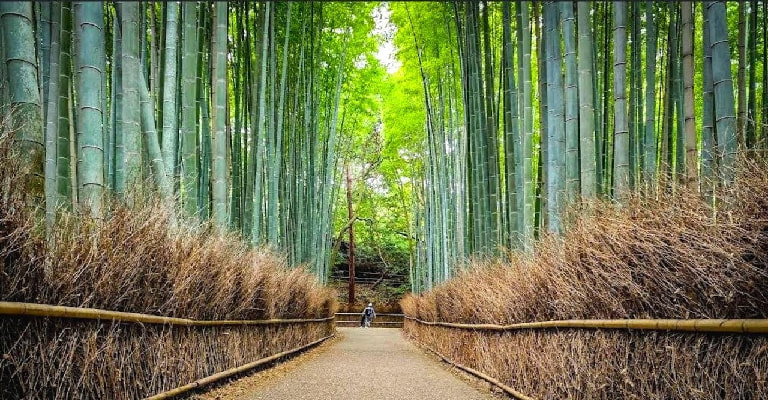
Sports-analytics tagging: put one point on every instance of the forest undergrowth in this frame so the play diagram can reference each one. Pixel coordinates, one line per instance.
(139, 259)
(662, 256)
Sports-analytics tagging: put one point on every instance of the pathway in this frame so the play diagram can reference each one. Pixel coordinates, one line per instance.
(369, 364)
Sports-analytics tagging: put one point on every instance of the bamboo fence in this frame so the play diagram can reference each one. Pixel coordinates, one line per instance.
(230, 372)
(49, 311)
(759, 326)
(755, 326)
(44, 310)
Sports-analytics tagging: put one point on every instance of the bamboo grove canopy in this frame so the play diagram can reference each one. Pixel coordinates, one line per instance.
(502, 113)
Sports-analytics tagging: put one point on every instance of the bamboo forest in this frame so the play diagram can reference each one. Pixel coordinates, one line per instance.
(523, 199)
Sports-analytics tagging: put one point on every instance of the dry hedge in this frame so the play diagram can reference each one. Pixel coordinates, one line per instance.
(666, 256)
(140, 259)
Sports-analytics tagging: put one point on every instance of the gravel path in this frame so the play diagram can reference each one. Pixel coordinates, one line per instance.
(368, 364)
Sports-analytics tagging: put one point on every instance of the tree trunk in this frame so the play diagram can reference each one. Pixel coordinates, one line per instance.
(586, 103)
(170, 107)
(131, 68)
(555, 120)
(351, 258)
(572, 173)
(21, 68)
(649, 142)
(741, 117)
(691, 167)
(220, 120)
(189, 137)
(52, 118)
(708, 144)
(89, 53)
(621, 130)
(725, 114)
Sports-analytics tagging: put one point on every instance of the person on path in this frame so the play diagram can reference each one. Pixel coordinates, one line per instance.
(368, 315)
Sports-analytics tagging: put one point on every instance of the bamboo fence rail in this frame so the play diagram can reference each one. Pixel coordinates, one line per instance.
(512, 392)
(44, 310)
(233, 371)
(679, 325)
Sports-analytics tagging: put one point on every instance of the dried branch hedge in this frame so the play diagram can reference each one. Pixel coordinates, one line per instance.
(655, 257)
(143, 260)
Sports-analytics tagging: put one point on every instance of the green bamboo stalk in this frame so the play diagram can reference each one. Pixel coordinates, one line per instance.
(621, 130)
(638, 132)
(555, 121)
(89, 51)
(665, 171)
(725, 115)
(708, 144)
(219, 89)
(63, 169)
(691, 168)
(21, 67)
(170, 108)
(543, 157)
(511, 134)
(741, 117)
(189, 136)
(492, 136)
(117, 108)
(751, 134)
(633, 104)
(52, 117)
(159, 173)
(131, 68)
(203, 89)
(280, 122)
(524, 61)
(764, 100)
(586, 103)
(649, 142)
(572, 171)
(44, 11)
(261, 134)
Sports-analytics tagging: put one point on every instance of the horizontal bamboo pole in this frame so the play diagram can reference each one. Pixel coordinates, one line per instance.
(377, 314)
(44, 310)
(233, 371)
(512, 392)
(679, 325)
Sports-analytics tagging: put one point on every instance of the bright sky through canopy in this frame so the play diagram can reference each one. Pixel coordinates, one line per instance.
(384, 27)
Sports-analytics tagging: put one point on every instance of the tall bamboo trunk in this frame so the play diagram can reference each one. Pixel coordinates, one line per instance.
(131, 68)
(528, 189)
(89, 55)
(189, 137)
(621, 130)
(52, 117)
(751, 136)
(708, 144)
(555, 120)
(725, 115)
(572, 170)
(351, 258)
(691, 167)
(586, 103)
(741, 117)
(649, 141)
(24, 93)
(219, 137)
(170, 106)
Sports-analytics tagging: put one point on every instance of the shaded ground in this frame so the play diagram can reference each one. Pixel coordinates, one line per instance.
(358, 364)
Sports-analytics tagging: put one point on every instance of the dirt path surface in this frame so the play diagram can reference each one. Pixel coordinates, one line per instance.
(364, 364)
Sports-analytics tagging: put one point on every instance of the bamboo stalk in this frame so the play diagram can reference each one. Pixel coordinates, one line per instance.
(677, 325)
(512, 392)
(233, 371)
(44, 310)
